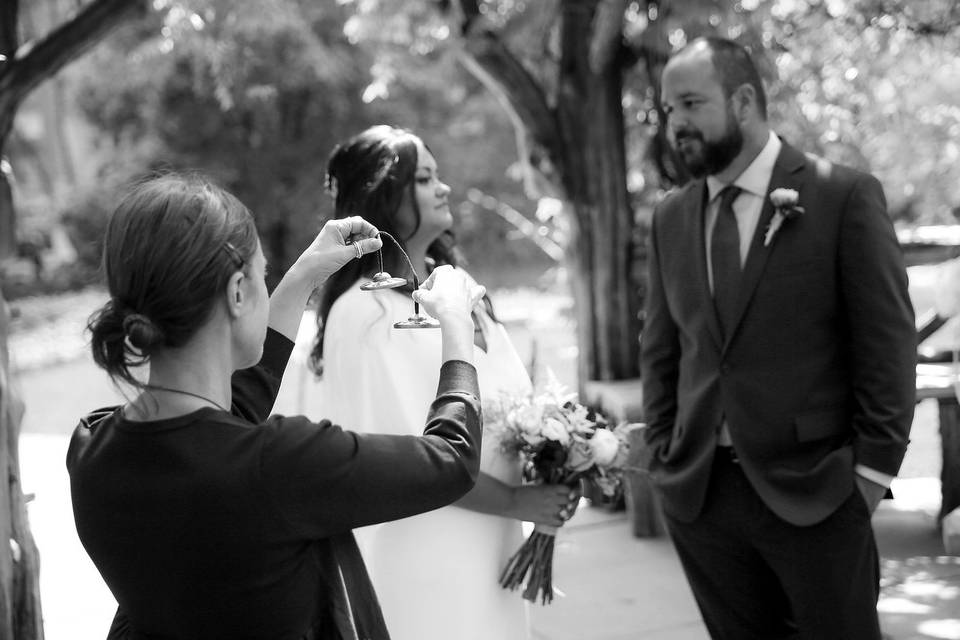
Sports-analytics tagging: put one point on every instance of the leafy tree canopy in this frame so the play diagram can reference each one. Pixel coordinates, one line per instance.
(873, 83)
(259, 93)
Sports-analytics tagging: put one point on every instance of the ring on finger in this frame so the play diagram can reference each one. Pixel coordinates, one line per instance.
(359, 249)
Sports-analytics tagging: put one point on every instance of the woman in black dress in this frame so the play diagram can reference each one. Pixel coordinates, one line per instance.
(206, 518)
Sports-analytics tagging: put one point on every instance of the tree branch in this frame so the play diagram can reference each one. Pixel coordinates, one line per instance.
(488, 59)
(33, 63)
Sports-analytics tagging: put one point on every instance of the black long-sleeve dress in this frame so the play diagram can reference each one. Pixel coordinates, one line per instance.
(236, 525)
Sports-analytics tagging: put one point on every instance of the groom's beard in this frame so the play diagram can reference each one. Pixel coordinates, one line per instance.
(704, 158)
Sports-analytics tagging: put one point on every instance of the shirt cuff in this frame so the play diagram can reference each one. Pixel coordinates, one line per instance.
(877, 477)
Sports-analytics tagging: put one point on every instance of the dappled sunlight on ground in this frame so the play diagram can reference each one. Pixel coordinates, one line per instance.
(920, 587)
(946, 629)
(921, 597)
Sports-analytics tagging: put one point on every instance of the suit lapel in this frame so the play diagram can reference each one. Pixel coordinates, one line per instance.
(697, 203)
(788, 174)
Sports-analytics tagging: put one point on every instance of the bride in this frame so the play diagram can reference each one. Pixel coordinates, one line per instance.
(436, 574)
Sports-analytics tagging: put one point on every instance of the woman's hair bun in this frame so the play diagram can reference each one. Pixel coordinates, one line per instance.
(142, 333)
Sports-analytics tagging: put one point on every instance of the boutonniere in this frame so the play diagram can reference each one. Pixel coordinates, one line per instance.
(784, 208)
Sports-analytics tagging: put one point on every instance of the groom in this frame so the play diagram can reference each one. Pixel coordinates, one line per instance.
(778, 360)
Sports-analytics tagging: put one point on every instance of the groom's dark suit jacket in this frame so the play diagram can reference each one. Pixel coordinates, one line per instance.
(818, 374)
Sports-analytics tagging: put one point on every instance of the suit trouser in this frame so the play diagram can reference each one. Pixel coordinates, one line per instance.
(756, 576)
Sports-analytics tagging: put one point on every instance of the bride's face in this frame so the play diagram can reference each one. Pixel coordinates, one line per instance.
(430, 195)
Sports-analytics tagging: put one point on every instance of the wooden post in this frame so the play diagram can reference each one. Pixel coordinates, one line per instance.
(950, 447)
(20, 614)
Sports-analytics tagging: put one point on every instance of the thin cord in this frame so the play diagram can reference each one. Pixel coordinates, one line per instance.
(416, 277)
(406, 257)
(157, 387)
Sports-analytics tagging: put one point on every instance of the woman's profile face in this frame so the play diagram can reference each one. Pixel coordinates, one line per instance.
(255, 326)
(430, 194)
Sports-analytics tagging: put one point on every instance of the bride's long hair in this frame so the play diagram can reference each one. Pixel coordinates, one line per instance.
(370, 175)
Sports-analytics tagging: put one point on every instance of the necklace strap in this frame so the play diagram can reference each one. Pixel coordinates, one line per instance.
(157, 387)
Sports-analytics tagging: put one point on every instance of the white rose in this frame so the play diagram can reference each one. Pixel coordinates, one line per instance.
(579, 456)
(531, 434)
(526, 421)
(605, 446)
(553, 429)
(784, 197)
(528, 415)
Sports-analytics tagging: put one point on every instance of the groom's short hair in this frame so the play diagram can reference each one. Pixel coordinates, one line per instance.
(734, 67)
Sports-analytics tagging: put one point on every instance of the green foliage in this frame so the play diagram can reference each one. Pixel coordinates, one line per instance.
(253, 93)
(258, 94)
(872, 83)
(86, 222)
(869, 83)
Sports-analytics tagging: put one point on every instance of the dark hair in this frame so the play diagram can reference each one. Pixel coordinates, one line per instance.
(734, 67)
(370, 175)
(169, 249)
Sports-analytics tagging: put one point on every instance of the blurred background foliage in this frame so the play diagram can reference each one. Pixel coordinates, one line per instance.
(257, 93)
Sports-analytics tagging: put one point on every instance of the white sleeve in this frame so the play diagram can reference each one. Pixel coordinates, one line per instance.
(378, 379)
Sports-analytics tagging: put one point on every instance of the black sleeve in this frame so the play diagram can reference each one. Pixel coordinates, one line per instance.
(324, 479)
(659, 356)
(255, 389)
(883, 334)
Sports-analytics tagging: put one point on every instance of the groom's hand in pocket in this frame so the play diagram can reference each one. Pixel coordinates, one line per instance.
(871, 491)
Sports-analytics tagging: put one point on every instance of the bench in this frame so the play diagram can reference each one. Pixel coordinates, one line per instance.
(936, 380)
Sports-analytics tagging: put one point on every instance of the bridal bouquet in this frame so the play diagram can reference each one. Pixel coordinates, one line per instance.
(558, 441)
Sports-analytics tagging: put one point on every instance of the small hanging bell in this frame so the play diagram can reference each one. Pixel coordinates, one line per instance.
(417, 321)
(383, 280)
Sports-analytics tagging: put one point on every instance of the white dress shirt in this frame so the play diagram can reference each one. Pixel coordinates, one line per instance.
(754, 183)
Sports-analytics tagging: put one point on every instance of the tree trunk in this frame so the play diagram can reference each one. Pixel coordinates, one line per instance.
(590, 114)
(8, 229)
(20, 614)
(578, 147)
(22, 68)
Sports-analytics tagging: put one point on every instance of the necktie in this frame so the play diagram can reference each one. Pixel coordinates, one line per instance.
(725, 259)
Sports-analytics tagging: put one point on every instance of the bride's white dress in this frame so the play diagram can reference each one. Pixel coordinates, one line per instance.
(436, 574)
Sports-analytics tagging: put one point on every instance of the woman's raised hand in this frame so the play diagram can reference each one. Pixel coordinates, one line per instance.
(339, 242)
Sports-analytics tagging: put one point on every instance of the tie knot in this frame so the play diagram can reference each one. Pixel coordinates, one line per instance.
(728, 194)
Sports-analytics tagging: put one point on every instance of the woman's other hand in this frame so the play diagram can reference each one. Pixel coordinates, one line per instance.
(549, 504)
(448, 295)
